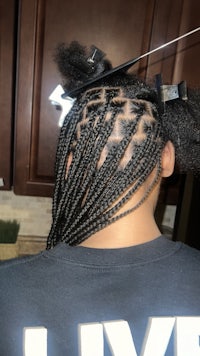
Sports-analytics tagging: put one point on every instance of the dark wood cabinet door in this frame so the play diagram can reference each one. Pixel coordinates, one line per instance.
(188, 50)
(187, 222)
(123, 30)
(184, 190)
(180, 60)
(7, 45)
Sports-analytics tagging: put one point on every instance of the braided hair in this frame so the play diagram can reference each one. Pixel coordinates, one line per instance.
(110, 142)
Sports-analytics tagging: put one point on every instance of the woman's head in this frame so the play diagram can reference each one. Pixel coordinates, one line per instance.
(111, 142)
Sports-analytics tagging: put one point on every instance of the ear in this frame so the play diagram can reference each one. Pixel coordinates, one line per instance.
(168, 159)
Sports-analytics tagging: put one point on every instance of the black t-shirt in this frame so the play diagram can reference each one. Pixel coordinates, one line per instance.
(141, 300)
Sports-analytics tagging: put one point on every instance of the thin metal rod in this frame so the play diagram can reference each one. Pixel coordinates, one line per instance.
(169, 43)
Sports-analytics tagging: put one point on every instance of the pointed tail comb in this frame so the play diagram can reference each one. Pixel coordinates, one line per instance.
(125, 66)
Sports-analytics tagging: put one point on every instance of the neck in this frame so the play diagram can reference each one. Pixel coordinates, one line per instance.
(131, 230)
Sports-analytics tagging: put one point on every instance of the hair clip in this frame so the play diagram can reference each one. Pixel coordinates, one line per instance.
(65, 104)
(95, 56)
(169, 92)
(174, 91)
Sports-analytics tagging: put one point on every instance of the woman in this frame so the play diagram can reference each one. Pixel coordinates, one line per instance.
(108, 274)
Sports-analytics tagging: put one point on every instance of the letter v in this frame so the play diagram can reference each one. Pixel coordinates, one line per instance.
(157, 336)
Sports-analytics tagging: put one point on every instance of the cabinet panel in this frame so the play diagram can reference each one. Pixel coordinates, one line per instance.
(7, 31)
(188, 50)
(166, 22)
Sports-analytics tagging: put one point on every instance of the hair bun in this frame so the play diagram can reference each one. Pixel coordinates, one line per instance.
(77, 64)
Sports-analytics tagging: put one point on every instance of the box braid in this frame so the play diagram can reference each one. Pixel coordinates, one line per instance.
(103, 158)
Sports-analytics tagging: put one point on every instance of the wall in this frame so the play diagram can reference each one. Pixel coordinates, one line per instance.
(33, 213)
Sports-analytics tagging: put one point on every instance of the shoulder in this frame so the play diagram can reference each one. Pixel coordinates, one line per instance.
(185, 265)
(189, 254)
(19, 261)
(21, 268)
(180, 262)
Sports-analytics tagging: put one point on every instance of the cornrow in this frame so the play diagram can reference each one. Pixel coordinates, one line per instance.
(103, 154)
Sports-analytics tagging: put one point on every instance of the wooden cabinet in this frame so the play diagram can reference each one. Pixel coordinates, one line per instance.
(7, 75)
(122, 29)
